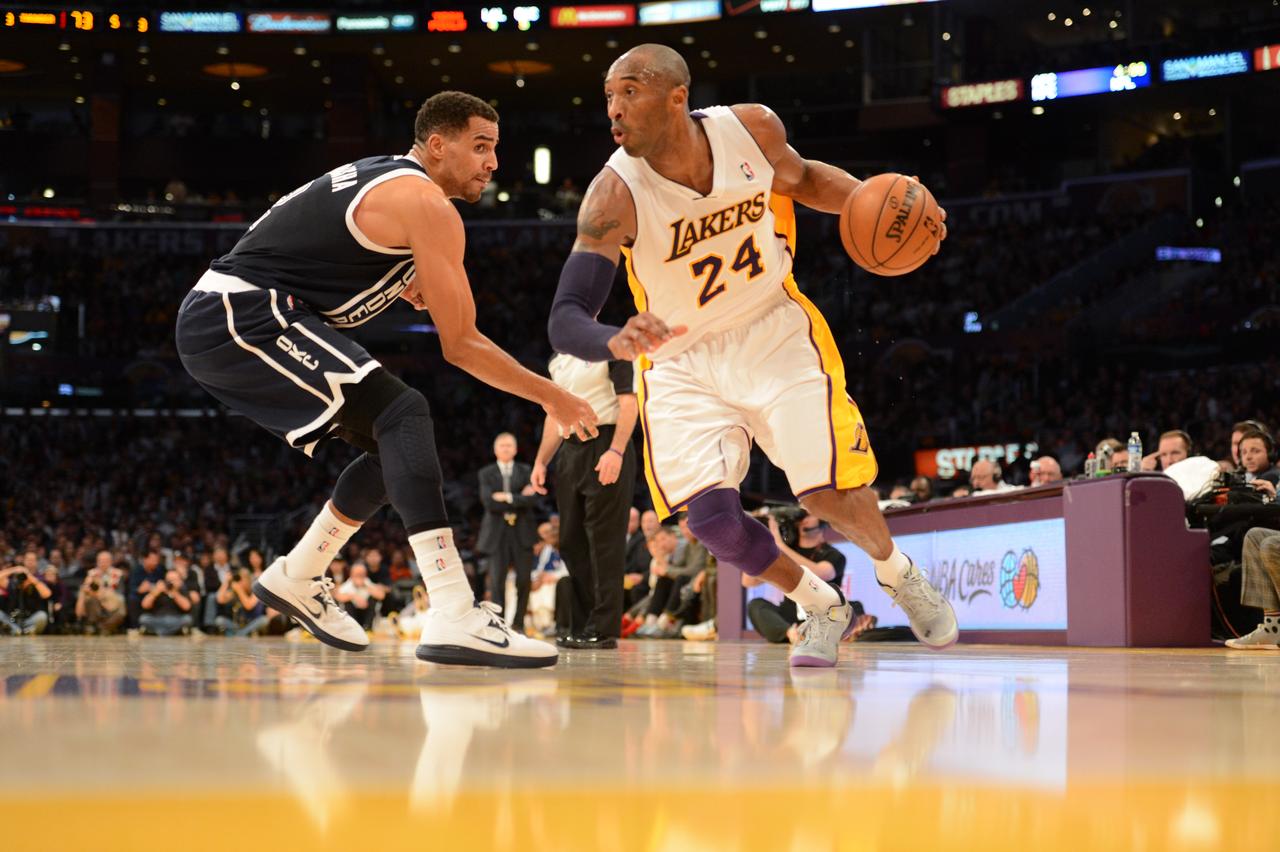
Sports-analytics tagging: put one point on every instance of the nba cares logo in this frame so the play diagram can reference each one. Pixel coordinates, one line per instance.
(746, 170)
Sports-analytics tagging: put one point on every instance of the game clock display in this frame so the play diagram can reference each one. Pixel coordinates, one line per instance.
(75, 19)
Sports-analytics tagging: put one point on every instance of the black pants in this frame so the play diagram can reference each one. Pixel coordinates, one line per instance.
(363, 617)
(511, 555)
(593, 532)
(772, 620)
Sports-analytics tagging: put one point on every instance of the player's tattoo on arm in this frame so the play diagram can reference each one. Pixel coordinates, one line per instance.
(594, 225)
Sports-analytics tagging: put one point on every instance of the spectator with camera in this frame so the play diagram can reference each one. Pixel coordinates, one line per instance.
(99, 606)
(167, 609)
(24, 597)
(799, 536)
(240, 613)
(54, 606)
(144, 577)
(1256, 451)
(360, 595)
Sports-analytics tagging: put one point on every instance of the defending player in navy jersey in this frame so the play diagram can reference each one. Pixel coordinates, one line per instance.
(728, 350)
(260, 331)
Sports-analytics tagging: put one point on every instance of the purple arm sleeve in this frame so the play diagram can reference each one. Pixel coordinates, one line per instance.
(584, 287)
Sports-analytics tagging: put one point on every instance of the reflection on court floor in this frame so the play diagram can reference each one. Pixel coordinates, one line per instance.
(123, 744)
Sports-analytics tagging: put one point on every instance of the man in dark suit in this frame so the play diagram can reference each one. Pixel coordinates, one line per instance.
(508, 530)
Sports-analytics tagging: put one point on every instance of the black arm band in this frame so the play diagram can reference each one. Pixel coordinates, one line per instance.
(584, 287)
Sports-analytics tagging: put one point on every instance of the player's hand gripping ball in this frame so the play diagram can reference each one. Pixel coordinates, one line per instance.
(891, 224)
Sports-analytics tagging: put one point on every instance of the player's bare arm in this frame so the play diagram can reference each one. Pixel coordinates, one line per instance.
(606, 223)
(607, 217)
(812, 183)
(413, 213)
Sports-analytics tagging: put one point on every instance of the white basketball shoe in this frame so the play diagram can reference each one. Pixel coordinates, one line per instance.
(311, 604)
(481, 637)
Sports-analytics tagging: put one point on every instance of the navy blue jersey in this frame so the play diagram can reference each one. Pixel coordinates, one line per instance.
(308, 246)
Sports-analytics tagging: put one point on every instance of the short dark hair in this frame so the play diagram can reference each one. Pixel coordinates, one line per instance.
(1259, 435)
(448, 113)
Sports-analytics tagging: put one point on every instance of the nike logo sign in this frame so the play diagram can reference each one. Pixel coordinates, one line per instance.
(503, 644)
(316, 613)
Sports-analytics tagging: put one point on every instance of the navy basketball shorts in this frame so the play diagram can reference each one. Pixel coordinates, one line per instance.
(269, 357)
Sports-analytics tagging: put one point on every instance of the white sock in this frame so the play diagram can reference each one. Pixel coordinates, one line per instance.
(441, 569)
(890, 571)
(318, 545)
(814, 592)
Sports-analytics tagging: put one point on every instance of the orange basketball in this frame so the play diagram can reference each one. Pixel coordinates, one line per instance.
(890, 225)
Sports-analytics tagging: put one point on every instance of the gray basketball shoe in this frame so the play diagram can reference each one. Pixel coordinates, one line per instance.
(820, 634)
(933, 621)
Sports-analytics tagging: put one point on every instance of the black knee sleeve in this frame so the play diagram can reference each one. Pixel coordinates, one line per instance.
(410, 466)
(360, 491)
(364, 402)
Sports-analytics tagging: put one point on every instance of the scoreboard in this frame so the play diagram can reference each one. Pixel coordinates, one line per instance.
(85, 20)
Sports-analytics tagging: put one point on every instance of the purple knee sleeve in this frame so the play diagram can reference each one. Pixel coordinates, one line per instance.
(732, 536)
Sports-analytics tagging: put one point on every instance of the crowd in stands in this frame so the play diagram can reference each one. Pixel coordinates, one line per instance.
(184, 489)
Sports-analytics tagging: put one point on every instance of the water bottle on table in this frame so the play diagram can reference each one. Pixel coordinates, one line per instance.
(1135, 452)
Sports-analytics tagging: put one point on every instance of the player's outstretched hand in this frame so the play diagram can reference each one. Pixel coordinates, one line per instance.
(643, 333)
(572, 414)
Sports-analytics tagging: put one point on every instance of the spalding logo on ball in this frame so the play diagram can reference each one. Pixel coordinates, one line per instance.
(890, 224)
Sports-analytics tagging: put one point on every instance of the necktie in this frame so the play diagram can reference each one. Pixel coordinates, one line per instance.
(506, 477)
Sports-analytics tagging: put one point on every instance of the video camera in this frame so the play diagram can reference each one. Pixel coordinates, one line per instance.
(788, 518)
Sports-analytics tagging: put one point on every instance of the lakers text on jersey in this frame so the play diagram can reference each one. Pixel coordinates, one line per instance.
(758, 362)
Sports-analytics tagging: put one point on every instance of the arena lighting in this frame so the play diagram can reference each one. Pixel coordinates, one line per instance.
(1090, 81)
(1205, 66)
(575, 17)
(841, 5)
(978, 94)
(288, 22)
(1266, 58)
(447, 21)
(400, 22)
(200, 22)
(495, 17)
(542, 165)
(678, 12)
(1196, 253)
(733, 8)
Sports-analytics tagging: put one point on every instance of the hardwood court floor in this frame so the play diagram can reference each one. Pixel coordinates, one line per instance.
(137, 744)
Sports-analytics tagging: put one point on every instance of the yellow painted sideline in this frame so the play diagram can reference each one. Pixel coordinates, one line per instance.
(1159, 817)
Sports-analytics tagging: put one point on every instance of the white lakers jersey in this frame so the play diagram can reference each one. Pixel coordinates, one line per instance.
(709, 262)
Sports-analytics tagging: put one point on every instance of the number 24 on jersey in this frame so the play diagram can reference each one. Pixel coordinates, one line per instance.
(746, 258)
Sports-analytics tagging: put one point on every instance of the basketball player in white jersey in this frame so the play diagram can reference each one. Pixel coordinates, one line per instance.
(728, 350)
